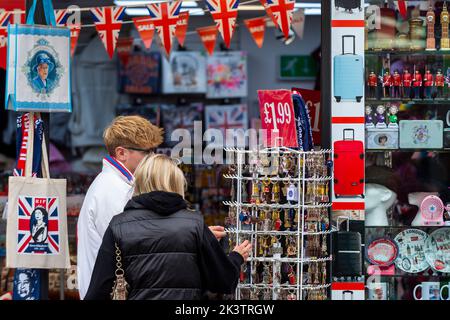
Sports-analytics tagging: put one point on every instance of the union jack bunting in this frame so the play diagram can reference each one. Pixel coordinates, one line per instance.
(165, 18)
(61, 20)
(108, 21)
(4, 21)
(282, 11)
(224, 13)
(38, 225)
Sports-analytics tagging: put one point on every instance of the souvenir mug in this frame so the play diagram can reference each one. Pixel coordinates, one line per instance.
(448, 291)
(377, 291)
(430, 291)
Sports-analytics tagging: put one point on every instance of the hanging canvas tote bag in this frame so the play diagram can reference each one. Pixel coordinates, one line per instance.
(37, 222)
(38, 65)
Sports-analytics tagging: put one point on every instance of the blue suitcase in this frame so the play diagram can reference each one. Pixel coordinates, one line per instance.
(348, 75)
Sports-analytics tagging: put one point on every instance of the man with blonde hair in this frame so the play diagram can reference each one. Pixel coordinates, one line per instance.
(128, 140)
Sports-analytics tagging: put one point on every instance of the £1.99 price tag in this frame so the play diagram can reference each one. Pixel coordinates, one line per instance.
(278, 118)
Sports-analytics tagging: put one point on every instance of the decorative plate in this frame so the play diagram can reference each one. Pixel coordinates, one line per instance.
(411, 251)
(382, 252)
(437, 250)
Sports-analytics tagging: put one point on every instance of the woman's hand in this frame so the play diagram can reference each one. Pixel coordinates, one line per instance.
(244, 249)
(218, 231)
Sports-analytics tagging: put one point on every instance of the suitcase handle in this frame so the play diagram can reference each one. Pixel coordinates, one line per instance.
(354, 45)
(352, 130)
(343, 218)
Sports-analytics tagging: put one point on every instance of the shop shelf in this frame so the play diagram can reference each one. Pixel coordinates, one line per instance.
(377, 53)
(439, 101)
(409, 150)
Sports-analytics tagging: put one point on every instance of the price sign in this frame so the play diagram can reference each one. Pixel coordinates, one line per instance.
(278, 118)
(312, 101)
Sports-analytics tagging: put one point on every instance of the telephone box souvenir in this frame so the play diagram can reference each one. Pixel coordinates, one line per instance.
(38, 65)
(421, 134)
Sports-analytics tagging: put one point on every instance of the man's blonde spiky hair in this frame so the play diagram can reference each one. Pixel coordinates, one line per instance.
(132, 132)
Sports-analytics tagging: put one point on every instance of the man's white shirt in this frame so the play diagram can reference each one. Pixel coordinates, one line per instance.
(106, 197)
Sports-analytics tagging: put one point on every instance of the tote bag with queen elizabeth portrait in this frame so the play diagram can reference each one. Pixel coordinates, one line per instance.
(38, 65)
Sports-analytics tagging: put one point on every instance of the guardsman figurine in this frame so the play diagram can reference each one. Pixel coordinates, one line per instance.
(396, 82)
(417, 83)
(372, 84)
(439, 83)
(387, 83)
(428, 83)
(406, 83)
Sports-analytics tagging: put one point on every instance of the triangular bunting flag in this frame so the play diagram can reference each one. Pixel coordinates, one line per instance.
(182, 25)
(4, 20)
(209, 37)
(146, 29)
(282, 11)
(108, 21)
(268, 11)
(402, 8)
(124, 47)
(224, 13)
(62, 18)
(298, 22)
(165, 18)
(257, 27)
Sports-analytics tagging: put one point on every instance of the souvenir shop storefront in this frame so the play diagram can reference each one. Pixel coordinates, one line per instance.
(346, 195)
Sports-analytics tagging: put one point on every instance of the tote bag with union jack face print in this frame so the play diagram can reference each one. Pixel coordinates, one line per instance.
(37, 221)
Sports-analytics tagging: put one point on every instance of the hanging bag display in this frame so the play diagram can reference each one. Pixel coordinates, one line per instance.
(38, 65)
(37, 221)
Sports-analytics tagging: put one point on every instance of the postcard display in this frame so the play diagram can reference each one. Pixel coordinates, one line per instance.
(407, 71)
(280, 203)
(348, 143)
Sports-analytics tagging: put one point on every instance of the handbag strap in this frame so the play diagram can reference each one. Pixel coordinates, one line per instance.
(119, 270)
(48, 11)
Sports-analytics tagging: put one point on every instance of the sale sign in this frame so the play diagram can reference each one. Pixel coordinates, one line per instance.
(146, 29)
(257, 27)
(209, 37)
(278, 118)
(15, 11)
(312, 102)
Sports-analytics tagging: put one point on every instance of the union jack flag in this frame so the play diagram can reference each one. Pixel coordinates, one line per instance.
(62, 17)
(224, 13)
(282, 11)
(108, 21)
(165, 19)
(38, 230)
(226, 117)
(4, 21)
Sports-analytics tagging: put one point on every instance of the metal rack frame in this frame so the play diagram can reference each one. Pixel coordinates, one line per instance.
(300, 260)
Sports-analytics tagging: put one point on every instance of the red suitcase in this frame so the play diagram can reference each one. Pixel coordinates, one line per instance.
(349, 167)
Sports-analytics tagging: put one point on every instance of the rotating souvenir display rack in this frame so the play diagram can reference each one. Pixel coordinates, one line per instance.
(286, 218)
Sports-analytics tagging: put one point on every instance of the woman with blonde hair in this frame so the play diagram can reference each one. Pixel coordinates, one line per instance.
(167, 250)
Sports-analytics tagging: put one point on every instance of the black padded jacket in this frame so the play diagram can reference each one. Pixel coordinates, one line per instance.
(167, 250)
